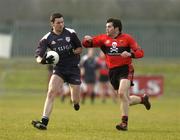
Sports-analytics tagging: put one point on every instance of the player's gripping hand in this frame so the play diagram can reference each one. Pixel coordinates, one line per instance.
(47, 60)
(76, 51)
(87, 41)
(126, 54)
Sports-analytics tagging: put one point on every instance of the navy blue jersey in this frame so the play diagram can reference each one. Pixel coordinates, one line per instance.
(63, 44)
(90, 66)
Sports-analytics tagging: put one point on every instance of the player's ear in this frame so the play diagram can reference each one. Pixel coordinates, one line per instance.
(116, 30)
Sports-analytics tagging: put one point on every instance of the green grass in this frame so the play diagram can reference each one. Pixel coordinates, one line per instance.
(92, 122)
(22, 74)
(23, 85)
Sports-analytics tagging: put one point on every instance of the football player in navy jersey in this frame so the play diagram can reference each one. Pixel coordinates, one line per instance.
(119, 49)
(89, 68)
(66, 43)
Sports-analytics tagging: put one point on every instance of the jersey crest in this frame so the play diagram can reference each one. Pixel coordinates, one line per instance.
(68, 39)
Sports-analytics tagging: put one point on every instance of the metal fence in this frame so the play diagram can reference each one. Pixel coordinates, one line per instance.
(157, 39)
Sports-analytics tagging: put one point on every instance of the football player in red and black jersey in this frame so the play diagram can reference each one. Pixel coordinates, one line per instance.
(119, 49)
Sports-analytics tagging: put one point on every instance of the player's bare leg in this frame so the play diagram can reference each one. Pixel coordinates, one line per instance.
(55, 86)
(127, 100)
(124, 96)
(133, 100)
(75, 96)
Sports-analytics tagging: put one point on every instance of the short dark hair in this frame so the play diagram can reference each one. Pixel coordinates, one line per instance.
(116, 23)
(54, 16)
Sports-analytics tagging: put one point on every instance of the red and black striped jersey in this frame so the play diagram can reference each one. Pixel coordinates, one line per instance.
(113, 47)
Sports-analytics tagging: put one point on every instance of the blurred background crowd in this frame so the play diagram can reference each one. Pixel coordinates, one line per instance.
(155, 23)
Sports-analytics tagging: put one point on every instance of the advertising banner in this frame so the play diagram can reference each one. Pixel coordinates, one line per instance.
(151, 85)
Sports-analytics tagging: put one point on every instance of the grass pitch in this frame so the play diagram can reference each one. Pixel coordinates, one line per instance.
(22, 93)
(91, 122)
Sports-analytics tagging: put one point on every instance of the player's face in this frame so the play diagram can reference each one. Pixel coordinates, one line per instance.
(110, 31)
(58, 25)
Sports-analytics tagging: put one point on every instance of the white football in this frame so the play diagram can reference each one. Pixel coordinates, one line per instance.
(55, 55)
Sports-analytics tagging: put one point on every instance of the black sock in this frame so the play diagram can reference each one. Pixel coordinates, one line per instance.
(125, 119)
(45, 120)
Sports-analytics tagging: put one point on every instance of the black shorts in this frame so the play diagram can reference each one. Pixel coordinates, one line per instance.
(69, 74)
(103, 78)
(122, 72)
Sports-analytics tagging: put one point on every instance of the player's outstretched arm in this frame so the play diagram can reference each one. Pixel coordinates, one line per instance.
(87, 41)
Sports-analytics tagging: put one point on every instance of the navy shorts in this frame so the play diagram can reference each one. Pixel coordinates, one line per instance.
(122, 72)
(90, 80)
(103, 78)
(69, 74)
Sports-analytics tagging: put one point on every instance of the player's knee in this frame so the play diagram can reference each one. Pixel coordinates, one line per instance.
(52, 93)
(121, 95)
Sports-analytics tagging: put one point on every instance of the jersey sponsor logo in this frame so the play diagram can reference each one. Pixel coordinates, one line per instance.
(68, 39)
(60, 39)
(64, 47)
